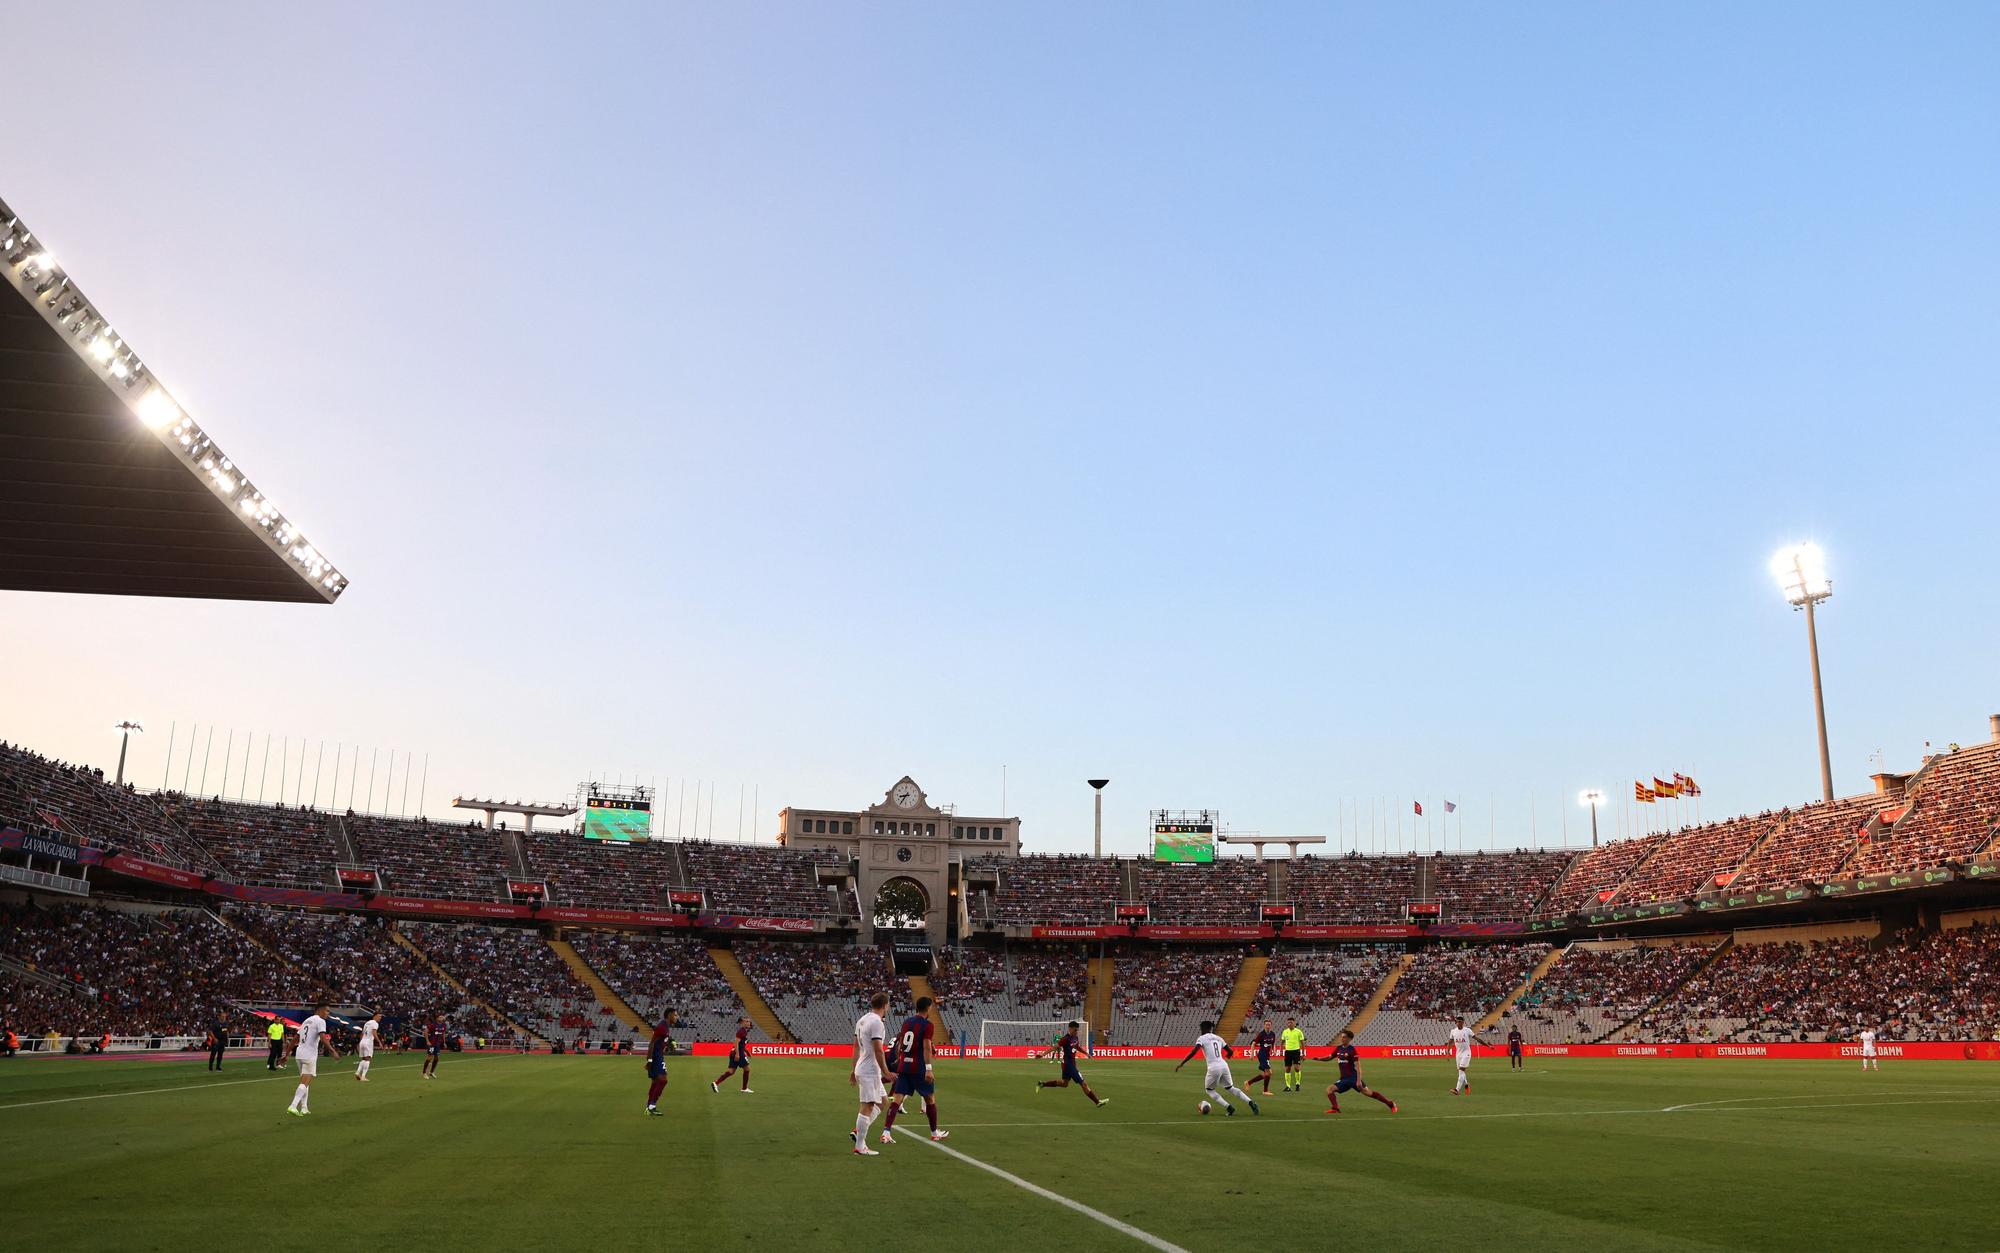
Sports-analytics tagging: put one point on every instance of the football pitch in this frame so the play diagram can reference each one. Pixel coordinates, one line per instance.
(544, 1152)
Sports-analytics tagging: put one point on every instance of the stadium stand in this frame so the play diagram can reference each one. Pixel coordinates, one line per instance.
(1594, 876)
(1050, 889)
(1446, 983)
(1595, 989)
(746, 879)
(261, 844)
(1495, 887)
(602, 874)
(145, 973)
(78, 804)
(451, 860)
(657, 973)
(1809, 844)
(818, 990)
(1322, 987)
(1162, 995)
(1691, 858)
(1944, 985)
(1353, 888)
(1957, 803)
(517, 973)
(1227, 890)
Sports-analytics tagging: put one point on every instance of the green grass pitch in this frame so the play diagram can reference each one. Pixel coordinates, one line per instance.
(541, 1152)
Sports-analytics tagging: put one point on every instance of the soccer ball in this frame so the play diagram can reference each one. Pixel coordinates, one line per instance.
(1203, 1107)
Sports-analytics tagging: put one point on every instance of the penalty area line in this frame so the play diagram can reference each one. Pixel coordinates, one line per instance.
(1124, 1228)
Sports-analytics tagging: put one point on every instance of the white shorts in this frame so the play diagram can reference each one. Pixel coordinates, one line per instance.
(1868, 1050)
(308, 1065)
(1217, 1079)
(365, 1052)
(1464, 1060)
(872, 1092)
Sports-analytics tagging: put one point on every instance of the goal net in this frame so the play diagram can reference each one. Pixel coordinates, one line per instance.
(1035, 1034)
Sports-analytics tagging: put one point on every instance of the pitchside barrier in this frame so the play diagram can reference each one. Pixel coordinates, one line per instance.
(1909, 1050)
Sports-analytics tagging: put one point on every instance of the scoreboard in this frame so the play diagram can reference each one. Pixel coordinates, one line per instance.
(1184, 842)
(620, 818)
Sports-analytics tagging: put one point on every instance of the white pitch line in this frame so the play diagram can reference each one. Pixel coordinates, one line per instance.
(1143, 1237)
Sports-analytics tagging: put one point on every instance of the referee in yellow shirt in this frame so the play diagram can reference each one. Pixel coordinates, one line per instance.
(1293, 1041)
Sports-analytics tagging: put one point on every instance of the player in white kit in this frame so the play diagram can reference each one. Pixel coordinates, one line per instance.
(1869, 1061)
(871, 1066)
(1462, 1037)
(1216, 1080)
(365, 1051)
(305, 1051)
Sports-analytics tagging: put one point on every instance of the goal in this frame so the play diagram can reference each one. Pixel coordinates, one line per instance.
(1035, 1034)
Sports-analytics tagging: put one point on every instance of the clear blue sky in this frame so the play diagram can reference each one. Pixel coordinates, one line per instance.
(1259, 406)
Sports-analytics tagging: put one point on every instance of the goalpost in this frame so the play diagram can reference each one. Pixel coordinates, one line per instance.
(1033, 1033)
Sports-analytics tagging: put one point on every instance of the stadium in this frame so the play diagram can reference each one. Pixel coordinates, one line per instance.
(579, 1020)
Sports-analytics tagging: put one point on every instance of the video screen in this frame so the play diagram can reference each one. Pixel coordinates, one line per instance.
(617, 820)
(1184, 842)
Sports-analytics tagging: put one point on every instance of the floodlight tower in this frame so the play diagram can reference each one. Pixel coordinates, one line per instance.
(1097, 836)
(1801, 573)
(1593, 798)
(125, 730)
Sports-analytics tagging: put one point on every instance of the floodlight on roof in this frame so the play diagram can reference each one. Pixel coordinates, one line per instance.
(33, 271)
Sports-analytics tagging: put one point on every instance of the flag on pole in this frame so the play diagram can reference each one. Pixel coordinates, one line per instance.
(1663, 788)
(1642, 793)
(1687, 785)
(1419, 807)
(1450, 808)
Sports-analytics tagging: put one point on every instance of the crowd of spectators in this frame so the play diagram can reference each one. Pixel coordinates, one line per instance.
(1593, 990)
(1321, 985)
(145, 973)
(657, 973)
(1951, 819)
(602, 874)
(418, 857)
(1809, 844)
(1160, 994)
(1595, 876)
(817, 990)
(1353, 888)
(1228, 890)
(515, 971)
(1495, 887)
(1049, 889)
(749, 879)
(1053, 978)
(78, 803)
(267, 844)
(1943, 985)
(1689, 860)
(1447, 982)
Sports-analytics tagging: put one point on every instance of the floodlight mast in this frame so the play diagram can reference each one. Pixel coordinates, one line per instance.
(125, 730)
(1801, 573)
(1593, 798)
(1097, 836)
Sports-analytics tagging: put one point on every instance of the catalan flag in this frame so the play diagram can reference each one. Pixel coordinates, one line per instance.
(1642, 794)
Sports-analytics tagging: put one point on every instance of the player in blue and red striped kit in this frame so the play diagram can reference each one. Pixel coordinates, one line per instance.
(656, 1061)
(739, 1058)
(913, 1070)
(1350, 1075)
(1068, 1047)
(1267, 1041)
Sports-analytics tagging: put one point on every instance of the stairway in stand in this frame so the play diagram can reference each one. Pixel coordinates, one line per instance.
(1542, 967)
(920, 985)
(1097, 996)
(1242, 995)
(606, 995)
(404, 941)
(1382, 990)
(754, 1004)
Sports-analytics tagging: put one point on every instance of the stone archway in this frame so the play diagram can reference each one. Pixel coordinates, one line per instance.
(900, 903)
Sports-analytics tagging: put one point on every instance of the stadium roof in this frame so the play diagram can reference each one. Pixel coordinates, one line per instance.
(106, 485)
